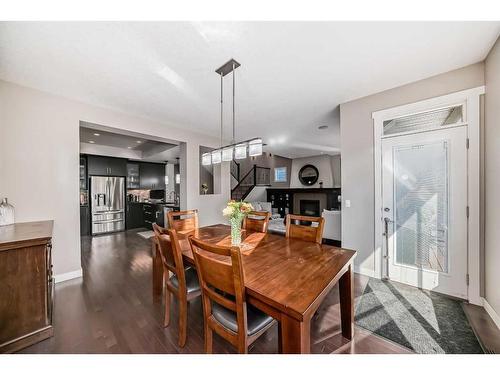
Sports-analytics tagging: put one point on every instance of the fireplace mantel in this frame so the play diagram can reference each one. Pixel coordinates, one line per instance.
(306, 190)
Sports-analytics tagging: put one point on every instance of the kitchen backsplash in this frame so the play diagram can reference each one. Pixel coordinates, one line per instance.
(142, 195)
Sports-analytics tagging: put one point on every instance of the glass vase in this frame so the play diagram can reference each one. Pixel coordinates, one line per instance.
(6, 213)
(236, 231)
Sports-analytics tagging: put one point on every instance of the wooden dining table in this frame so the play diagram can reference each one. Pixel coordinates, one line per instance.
(287, 278)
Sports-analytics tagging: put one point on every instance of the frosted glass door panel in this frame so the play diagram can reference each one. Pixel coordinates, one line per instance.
(421, 206)
(424, 190)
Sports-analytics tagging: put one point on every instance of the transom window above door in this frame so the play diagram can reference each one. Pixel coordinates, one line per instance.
(424, 121)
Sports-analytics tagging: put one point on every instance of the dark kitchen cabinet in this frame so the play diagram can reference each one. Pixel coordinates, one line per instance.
(106, 166)
(135, 217)
(133, 176)
(152, 176)
(153, 213)
(84, 221)
(83, 173)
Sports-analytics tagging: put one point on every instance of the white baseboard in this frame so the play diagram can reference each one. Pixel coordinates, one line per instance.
(492, 313)
(364, 271)
(68, 276)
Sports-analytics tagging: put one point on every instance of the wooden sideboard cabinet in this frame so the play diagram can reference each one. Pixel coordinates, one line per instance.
(26, 284)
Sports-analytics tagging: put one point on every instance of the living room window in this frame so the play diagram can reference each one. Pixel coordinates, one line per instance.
(280, 174)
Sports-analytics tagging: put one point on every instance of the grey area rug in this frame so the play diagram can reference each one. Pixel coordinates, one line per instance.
(423, 321)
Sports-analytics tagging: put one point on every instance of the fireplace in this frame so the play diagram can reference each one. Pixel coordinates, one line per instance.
(309, 207)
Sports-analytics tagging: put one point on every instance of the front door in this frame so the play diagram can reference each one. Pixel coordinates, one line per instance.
(424, 189)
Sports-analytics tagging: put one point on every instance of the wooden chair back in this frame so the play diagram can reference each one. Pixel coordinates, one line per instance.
(259, 224)
(304, 232)
(220, 271)
(183, 221)
(171, 253)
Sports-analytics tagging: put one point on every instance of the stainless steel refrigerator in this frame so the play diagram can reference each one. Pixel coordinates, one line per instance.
(107, 204)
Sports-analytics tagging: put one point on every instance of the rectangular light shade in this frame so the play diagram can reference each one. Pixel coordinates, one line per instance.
(240, 151)
(206, 159)
(227, 154)
(255, 147)
(216, 157)
(178, 178)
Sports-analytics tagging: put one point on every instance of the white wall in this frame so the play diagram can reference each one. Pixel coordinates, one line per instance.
(336, 170)
(356, 138)
(324, 164)
(39, 160)
(258, 194)
(492, 178)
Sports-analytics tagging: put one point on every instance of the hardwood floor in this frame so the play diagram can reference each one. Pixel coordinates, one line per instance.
(111, 310)
(484, 327)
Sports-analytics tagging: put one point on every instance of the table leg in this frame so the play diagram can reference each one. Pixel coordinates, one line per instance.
(346, 292)
(157, 270)
(295, 335)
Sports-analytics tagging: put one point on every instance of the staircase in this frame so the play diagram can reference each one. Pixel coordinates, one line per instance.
(235, 170)
(257, 176)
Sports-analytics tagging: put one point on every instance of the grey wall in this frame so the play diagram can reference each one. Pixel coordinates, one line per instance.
(328, 168)
(269, 161)
(492, 177)
(356, 138)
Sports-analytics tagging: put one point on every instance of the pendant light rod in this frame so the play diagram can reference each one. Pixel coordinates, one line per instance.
(221, 105)
(234, 138)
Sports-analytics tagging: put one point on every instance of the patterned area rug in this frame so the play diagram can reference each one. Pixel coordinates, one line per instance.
(423, 321)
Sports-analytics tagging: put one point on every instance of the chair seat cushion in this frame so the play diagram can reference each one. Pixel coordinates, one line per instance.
(192, 283)
(256, 319)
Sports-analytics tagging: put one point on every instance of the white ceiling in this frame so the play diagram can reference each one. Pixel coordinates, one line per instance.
(292, 79)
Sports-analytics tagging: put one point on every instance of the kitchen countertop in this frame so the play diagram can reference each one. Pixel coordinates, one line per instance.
(156, 203)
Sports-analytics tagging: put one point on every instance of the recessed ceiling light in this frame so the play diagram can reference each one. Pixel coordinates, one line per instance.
(138, 141)
(323, 127)
(97, 134)
(129, 147)
(91, 141)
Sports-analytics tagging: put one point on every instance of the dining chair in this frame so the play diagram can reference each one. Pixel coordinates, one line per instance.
(310, 233)
(225, 309)
(183, 221)
(183, 283)
(257, 221)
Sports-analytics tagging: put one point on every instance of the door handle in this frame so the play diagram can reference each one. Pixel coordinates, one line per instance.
(386, 227)
(386, 255)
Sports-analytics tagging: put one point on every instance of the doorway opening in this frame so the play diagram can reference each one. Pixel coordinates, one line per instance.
(128, 181)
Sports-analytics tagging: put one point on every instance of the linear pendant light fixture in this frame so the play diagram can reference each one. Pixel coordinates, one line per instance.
(233, 150)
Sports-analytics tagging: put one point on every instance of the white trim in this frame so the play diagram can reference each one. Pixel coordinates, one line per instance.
(492, 313)
(68, 276)
(471, 100)
(473, 196)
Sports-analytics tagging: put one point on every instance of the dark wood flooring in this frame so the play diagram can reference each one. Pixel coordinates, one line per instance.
(111, 310)
(484, 327)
